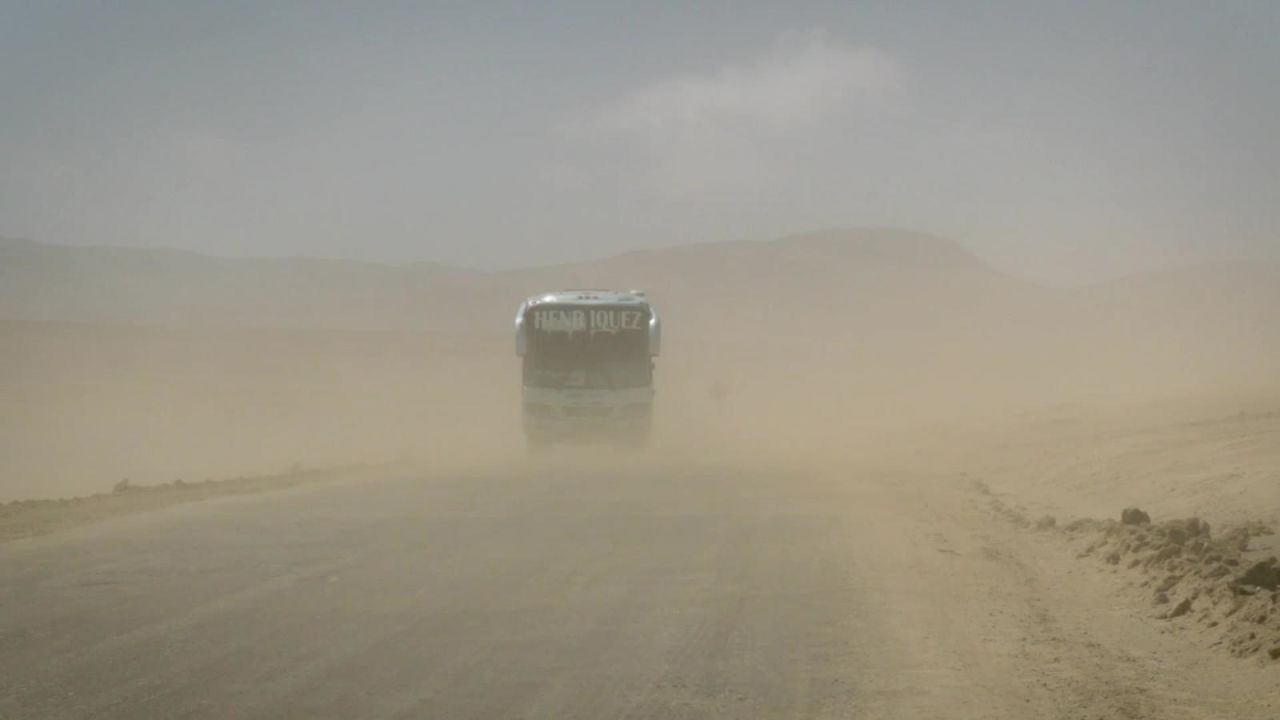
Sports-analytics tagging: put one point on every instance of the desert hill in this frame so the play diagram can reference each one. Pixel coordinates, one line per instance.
(178, 288)
(890, 300)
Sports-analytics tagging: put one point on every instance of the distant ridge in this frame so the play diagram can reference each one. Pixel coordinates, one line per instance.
(879, 287)
(891, 244)
(125, 253)
(865, 242)
(16, 242)
(172, 287)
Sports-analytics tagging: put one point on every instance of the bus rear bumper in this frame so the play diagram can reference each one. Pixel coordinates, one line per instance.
(586, 429)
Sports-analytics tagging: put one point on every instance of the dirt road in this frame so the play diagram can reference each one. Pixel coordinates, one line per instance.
(553, 592)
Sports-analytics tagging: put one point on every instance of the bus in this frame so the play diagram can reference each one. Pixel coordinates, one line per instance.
(587, 362)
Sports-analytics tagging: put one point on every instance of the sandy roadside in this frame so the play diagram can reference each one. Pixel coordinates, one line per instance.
(1175, 614)
(31, 518)
(986, 618)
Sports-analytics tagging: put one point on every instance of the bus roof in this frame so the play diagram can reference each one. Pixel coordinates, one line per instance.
(590, 297)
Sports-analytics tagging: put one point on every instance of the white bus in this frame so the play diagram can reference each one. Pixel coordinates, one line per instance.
(587, 366)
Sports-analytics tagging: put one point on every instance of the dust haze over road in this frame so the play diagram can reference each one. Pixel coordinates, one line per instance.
(847, 422)
(156, 365)
(968, 402)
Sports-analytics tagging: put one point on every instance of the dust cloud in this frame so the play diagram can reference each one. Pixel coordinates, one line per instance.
(807, 352)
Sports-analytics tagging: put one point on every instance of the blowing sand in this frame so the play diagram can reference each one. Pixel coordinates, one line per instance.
(861, 447)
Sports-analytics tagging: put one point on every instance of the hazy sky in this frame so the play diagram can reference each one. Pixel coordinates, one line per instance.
(1062, 140)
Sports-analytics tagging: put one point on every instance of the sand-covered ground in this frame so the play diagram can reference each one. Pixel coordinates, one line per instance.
(910, 573)
(909, 576)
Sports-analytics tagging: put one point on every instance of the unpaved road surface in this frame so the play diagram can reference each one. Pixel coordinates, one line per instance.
(556, 592)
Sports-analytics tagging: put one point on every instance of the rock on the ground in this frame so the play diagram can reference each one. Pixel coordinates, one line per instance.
(1134, 516)
(1180, 609)
(1261, 574)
